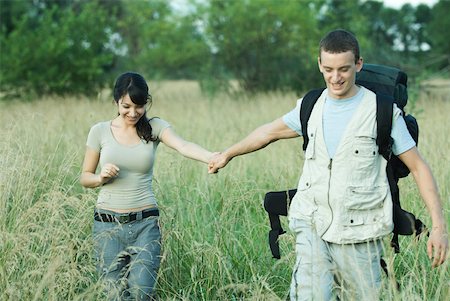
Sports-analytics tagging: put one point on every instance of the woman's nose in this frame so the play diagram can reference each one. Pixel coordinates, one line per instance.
(133, 112)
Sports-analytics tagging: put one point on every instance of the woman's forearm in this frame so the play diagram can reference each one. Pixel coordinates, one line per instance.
(90, 180)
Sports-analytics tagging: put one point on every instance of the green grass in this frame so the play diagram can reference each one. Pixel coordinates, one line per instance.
(214, 226)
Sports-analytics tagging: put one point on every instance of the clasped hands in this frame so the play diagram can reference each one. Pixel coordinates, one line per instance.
(217, 161)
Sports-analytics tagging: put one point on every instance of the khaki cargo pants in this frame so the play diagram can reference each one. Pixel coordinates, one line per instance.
(328, 271)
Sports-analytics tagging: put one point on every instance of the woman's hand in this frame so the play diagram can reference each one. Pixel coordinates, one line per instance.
(217, 161)
(108, 172)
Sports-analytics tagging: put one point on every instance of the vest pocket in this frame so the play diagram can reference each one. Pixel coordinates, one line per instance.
(365, 198)
(310, 149)
(364, 160)
(304, 183)
(365, 146)
(304, 204)
(365, 206)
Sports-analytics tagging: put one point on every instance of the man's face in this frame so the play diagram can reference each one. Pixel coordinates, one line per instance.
(339, 72)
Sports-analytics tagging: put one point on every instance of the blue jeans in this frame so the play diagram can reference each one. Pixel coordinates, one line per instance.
(128, 256)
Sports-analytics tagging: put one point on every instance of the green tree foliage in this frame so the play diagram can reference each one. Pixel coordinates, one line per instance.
(438, 33)
(404, 37)
(265, 45)
(422, 18)
(378, 32)
(406, 33)
(332, 14)
(159, 43)
(54, 47)
(78, 46)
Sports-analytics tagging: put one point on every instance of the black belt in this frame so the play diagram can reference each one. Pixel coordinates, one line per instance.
(123, 218)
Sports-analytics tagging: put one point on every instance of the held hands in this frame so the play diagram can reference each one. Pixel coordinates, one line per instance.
(437, 246)
(108, 172)
(217, 161)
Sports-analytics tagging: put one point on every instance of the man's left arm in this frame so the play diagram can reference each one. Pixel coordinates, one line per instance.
(437, 246)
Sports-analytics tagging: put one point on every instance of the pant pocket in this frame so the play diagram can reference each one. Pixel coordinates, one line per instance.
(106, 246)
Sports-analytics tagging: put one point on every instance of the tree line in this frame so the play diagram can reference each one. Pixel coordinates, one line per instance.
(78, 47)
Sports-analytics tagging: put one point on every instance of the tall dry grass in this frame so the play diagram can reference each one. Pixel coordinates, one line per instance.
(214, 227)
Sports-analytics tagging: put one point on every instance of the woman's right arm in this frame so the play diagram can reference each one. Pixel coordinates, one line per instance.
(89, 178)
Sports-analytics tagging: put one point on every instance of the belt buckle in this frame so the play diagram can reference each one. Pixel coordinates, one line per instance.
(123, 219)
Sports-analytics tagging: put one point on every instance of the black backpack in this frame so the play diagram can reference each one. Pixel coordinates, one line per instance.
(390, 86)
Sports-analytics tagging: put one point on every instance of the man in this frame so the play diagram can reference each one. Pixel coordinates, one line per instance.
(343, 207)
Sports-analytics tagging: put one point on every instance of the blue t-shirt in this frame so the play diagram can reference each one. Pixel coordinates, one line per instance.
(336, 116)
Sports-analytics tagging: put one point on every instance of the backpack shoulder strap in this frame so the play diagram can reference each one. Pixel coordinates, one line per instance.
(384, 124)
(308, 102)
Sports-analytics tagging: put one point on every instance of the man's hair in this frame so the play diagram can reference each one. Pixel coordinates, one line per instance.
(338, 41)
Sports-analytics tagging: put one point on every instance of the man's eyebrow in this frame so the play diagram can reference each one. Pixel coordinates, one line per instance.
(341, 67)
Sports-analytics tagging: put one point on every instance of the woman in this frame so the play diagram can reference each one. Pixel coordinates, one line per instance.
(126, 230)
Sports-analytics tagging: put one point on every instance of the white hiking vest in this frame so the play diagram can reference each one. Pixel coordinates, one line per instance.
(346, 199)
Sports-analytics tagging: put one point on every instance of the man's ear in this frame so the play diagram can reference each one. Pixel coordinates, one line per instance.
(319, 63)
(359, 64)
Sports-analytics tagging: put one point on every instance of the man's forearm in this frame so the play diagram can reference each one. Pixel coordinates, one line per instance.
(256, 140)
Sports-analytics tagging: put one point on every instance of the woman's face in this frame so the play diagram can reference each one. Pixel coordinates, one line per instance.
(129, 111)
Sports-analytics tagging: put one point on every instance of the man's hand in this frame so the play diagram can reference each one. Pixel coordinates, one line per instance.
(217, 161)
(437, 246)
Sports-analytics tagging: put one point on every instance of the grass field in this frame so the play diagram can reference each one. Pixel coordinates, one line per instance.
(214, 226)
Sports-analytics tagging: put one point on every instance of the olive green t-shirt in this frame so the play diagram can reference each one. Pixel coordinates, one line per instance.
(133, 186)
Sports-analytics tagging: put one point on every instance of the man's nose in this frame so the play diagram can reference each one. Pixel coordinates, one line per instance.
(335, 76)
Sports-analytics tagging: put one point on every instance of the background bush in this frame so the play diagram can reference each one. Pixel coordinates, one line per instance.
(60, 50)
(76, 46)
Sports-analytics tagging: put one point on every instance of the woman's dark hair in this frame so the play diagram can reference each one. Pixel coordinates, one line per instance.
(338, 41)
(135, 86)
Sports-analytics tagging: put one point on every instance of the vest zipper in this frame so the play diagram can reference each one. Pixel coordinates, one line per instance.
(330, 165)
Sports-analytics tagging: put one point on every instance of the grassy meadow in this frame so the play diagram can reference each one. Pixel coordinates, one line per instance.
(214, 226)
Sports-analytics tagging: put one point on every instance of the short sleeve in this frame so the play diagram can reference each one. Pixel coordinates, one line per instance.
(401, 136)
(158, 126)
(94, 138)
(292, 118)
